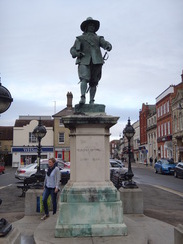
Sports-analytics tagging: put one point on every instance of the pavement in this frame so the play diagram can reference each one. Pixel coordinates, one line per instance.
(141, 230)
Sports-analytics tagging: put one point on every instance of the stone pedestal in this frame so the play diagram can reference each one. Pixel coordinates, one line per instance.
(90, 205)
(31, 201)
(132, 200)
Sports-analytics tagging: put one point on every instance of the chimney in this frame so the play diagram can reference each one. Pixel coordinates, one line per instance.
(69, 100)
(182, 76)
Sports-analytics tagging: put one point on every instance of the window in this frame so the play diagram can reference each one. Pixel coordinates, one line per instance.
(165, 128)
(158, 131)
(154, 119)
(175, 123)
(61, 122)
(181, 121)
(32, 138)
(162, 130)
(169, 128)
(60, 155)
(165, 108)
(168, 107)
(61, 138)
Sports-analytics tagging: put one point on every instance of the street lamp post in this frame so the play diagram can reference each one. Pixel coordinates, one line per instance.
(129, 133)
(39, 132)
(5, 99)
(5, 102)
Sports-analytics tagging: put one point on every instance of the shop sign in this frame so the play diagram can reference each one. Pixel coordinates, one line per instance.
(31, 149)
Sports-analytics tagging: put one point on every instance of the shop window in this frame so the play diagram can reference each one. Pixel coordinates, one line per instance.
(60, 155)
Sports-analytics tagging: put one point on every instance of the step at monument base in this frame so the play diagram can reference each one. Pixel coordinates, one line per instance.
(90, 211)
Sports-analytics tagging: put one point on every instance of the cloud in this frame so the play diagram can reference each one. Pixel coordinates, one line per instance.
(37, 68)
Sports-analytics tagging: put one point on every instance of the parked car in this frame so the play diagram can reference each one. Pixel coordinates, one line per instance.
(2, 168)
(30, 170)
(164, 166)
(178, 171)
(65, 175)
(116, 166)
(118, 161)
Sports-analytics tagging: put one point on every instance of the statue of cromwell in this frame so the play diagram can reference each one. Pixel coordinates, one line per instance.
(89, 57)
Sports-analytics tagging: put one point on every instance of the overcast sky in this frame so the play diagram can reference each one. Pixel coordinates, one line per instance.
(38, 70)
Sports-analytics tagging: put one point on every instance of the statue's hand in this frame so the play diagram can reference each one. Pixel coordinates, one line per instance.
(108, 48)
(80, 54)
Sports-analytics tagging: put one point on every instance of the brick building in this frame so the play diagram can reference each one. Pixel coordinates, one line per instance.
(143, 114)
(169, 122)
(6, 142)
(115, 149)
(164, 123)
(177, 122)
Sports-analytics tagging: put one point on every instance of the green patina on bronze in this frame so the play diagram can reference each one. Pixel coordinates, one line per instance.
(89, 108)
(86, 50)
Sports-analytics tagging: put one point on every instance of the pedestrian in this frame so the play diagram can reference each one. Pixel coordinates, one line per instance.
(51, 186)
(89, 57)
(151, 161)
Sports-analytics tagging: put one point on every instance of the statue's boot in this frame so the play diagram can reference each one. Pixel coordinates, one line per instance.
(83, 100)
(92, 94)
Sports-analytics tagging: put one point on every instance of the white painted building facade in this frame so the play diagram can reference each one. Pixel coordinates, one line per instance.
(24, 150)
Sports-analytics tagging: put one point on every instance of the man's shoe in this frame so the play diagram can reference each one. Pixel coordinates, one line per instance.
(45, 217)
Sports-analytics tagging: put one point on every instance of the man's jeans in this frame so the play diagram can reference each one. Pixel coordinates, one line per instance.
(46, 193)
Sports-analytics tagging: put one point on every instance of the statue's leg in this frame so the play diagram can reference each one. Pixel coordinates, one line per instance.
(83, 88)
(84, 75)
(96, 71)
(92, 94)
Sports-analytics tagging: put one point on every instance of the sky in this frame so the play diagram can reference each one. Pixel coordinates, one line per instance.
(37, 68)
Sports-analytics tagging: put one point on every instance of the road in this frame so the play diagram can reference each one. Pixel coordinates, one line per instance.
(162, 194)
(146, 175)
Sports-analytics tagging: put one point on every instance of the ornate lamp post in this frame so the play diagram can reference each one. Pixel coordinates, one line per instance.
(5, 102)
(39, 132)
(5, 99)
(129, 133)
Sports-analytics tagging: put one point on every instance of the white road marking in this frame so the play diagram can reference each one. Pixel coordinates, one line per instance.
(2, 187)
(170, 190)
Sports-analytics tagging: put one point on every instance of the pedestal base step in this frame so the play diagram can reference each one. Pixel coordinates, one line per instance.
(90, 230)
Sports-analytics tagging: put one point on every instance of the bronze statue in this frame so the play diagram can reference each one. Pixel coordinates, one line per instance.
(89, 57)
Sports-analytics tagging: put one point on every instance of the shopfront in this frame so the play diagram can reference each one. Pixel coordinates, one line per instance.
(63, 153)
(22, 156)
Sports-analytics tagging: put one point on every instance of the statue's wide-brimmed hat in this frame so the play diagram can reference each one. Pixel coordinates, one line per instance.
(85, 23)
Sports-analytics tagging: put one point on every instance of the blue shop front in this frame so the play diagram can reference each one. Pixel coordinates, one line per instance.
(22, 156)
